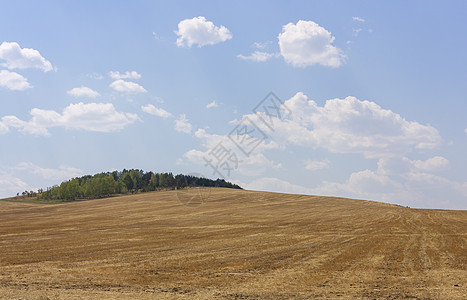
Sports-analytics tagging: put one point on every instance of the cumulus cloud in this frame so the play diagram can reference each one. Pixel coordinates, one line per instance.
(13, 81)
(12, 178)
(182, 124)
(127, 75)
(98, 117)
(412, 188)
(352, 126)
(314, 165)
(346, 126)
(83, 92)
(361, 184)
(403, 165)
(431, 164)
(306, 44)
(258, 56)
(253, 165)
(212, 104)
(63, 172)
(16, 57)
(127, 86)
(199, 31)
(358, 19)
(10, 185)
(151, 109)
(402, 181)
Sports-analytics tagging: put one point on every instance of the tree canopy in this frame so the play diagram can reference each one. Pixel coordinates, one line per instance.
(127, 181)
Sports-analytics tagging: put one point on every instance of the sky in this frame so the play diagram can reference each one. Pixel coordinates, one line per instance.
(359, 99)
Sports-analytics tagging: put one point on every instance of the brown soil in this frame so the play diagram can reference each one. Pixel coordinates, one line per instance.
(236, 245)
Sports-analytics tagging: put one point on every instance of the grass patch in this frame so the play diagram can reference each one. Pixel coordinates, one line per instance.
(35, 200)
(32, 200)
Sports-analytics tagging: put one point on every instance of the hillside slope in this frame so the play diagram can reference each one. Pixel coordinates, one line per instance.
(236, 245)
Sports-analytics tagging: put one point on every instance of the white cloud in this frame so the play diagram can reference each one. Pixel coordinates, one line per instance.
(365, 183)
(212, 104)
(156, 37)
(256, 164)
(98, 117)
(253, 165)
(13, 81)
(182, 124)
(362, 184)
(12, 181)
(212, 140)
(3, 128)
(352, 126)
(346, 125)
(201, 32)
(399, 181)
(193, 155)
(416, 190)
(314, 165)
(258, 56)
(259, 45)
(127, 86)
(306, 44)
(358, 19)
(61, 173)
(95, 76)
(465, 130)
(403, 165)
(22, 58)
(276, 185)
(10, 185)
(83, 92)
(127, 75)
(403, 181)
(431, 164)
(151, 109)
(356, 31)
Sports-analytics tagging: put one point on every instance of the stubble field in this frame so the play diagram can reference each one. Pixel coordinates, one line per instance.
(236, 245)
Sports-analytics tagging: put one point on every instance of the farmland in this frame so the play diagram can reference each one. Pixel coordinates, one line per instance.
(230, 244)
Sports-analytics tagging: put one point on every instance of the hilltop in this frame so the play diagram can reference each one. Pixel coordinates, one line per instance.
(107, 184)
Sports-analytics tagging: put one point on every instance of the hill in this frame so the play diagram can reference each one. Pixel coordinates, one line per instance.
(102, 185)
(230, 244)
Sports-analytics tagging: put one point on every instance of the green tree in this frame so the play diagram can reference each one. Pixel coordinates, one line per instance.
(128, 181)
(163, 179)
(153, 182)
(137, 179)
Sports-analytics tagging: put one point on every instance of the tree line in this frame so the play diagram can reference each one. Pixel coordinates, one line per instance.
(127, 181)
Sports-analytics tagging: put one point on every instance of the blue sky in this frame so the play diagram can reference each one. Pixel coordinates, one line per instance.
(373, 94)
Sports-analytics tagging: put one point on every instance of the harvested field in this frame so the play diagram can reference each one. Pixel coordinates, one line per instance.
(237, 245)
